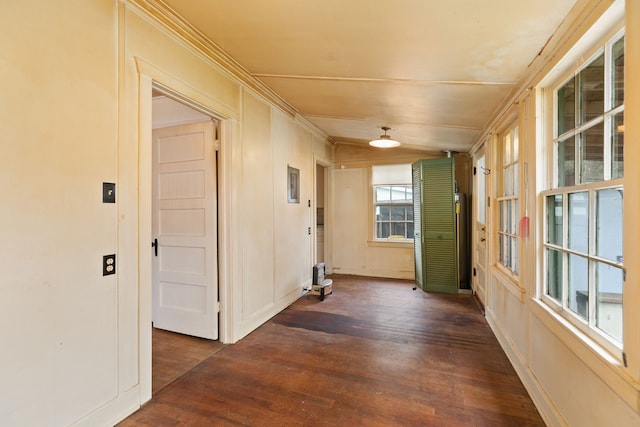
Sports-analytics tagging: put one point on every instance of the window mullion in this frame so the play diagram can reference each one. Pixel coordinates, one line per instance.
(608, 104)
(565, 254)
(592, 263)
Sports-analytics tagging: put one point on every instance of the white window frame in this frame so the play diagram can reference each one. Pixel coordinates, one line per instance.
(586, 326)
(405, 203)
(392, 178)
(511, 230)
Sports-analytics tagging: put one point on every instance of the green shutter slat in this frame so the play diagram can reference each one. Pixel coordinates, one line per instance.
(417, 237)
(438, 270)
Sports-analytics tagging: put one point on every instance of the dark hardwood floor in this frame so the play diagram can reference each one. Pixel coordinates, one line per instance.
(375, 353)
(175, 354)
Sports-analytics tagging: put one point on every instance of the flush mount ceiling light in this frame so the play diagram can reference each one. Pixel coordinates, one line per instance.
(385, 140)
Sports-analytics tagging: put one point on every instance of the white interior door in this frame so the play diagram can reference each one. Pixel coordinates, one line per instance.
(479, 222)
(185, 264)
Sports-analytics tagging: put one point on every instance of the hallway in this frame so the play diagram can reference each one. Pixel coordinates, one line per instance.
(375, 353)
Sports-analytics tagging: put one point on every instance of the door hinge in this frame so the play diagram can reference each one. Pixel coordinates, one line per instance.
(624, 274)
(474, 170)
(488, 201)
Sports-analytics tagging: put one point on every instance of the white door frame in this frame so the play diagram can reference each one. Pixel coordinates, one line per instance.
(319, 161)
(226, 129)
(479, 233)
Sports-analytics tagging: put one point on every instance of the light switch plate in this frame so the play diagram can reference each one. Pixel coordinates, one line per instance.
(108, 192)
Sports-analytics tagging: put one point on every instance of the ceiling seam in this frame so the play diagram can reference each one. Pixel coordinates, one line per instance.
(383, 80)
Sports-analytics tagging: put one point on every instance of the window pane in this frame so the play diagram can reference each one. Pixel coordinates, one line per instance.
(592, 90)
(578, 285)
(503, 215)
(409, 210)
(383, 194)
(592, 160)
(515, 179)
(567, 162)
(501, 246)
(609, 300)
(514, 254)
(554, 219)
(481, 199)
(515, 217)
(509, 217)
(578, 222)
(398, 229)
(609, 224)
(382, 213)
(507, 150)
(410, 232)
(383, 230)
(506, 250)
(554, 274)
(508, 181)
(398, 213)
(618, 72)
(617, 146)
(398, 194)
(566, 107)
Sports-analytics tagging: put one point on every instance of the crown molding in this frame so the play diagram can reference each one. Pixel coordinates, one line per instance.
(167, 18)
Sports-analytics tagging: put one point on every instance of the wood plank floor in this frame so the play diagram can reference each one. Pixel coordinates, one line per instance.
(175, 354)
(375, 353)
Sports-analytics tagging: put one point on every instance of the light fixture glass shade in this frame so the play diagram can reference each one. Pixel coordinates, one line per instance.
(385, 141)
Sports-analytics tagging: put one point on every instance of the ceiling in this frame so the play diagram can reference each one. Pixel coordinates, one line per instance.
(433, 71)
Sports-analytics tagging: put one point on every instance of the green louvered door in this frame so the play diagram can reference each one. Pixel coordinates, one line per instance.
(438, 226)
(416, 170)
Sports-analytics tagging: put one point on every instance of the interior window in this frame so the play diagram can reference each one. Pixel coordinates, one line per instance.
(393, 201)
(508, 200)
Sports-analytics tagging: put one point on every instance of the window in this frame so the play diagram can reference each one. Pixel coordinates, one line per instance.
(508, 204)
(393, 201)
(481, 198)
(583, 209)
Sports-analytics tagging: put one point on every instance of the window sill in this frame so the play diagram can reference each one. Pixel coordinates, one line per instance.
(390, 243)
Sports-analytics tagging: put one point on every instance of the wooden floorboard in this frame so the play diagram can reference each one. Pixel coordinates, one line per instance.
(375, 353)
(175, 354)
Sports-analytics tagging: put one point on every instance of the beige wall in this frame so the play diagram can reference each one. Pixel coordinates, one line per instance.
(76, 112)
(353, 250)
(59, 136)
(572, 380)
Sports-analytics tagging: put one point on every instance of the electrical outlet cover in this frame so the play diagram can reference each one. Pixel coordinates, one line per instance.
(109, 264)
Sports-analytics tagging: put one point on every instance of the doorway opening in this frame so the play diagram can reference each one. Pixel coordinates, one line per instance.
(184, 243)
(479, 227)
(321, 202)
